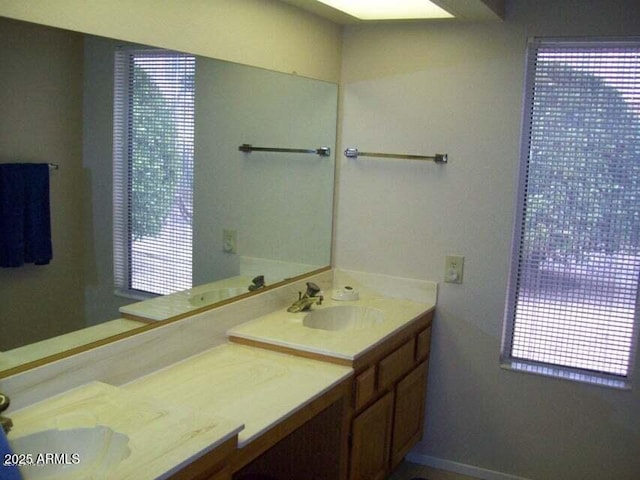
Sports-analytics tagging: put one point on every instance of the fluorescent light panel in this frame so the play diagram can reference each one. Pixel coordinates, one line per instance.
(388, 9)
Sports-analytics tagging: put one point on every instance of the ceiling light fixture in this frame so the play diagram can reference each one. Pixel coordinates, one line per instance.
(388, 9)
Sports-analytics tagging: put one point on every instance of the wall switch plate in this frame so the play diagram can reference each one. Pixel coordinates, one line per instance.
(453, 268)
(230, 241)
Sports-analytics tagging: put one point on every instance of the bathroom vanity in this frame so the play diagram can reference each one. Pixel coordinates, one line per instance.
(389, 397)
(334, 393)
(387, 344)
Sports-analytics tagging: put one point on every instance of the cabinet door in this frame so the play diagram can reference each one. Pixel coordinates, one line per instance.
(371, 441)
(409, 412)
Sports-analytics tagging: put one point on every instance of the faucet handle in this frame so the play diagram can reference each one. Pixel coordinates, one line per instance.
(312, 289)
(4, 402)
(257, 283)
(5, 422)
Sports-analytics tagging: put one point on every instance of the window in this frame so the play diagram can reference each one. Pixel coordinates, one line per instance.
(572, 304)
(153, 171)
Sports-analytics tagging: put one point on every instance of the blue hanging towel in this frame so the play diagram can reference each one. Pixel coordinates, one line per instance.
(25, 218)
(8, 471)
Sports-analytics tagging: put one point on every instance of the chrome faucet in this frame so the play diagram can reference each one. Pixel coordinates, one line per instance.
(309, 298)
(5, 421)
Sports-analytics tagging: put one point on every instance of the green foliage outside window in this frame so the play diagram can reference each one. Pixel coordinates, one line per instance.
(156, 161)
(573, 209)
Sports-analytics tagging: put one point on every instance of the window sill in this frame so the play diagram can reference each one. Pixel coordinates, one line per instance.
(566, 374)
(134, 294)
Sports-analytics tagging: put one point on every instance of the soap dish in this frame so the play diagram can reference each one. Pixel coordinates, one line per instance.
(345, 293)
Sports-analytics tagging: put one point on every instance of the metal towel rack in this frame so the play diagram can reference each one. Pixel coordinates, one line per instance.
(53, 166)
(322, 151)
(438, 157)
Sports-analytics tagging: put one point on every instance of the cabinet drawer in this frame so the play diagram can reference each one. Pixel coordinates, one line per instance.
(365, 386)
(396, 364)
(423, 344)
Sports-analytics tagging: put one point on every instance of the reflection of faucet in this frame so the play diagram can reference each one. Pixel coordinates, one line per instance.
(257, 283)
(5, 421)
(309, 298)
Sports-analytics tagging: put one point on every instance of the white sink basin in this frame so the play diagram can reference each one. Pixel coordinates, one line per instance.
(77, 453)
(347, 317)
(213, 296)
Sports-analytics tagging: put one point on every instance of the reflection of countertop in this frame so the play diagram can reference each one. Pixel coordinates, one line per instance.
(285, 329)
(180, 303)
(256, 387)
(163, 436)
(174, 304)
(61, 343)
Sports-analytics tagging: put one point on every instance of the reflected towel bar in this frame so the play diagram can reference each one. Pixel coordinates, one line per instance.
(322, 151)
(438, 157)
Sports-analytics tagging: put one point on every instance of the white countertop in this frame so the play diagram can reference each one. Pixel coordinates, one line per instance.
(163, 435)
(177, 414)
(286, 329)
(256, 387)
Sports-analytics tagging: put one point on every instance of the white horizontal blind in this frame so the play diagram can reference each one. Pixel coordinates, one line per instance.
(573, 293)
(154, 109)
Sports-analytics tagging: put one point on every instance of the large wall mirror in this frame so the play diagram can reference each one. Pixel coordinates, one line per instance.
(57, 98)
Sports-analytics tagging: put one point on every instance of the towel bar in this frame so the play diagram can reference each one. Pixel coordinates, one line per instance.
(438, 157)
(322, 151)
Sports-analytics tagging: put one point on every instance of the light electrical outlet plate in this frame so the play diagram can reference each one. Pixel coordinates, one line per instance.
(453, 268)
(230, 241)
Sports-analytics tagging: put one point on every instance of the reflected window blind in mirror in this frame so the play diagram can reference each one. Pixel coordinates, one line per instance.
(154, 102)
(572, 307)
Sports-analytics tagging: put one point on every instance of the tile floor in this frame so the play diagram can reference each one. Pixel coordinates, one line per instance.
(409, 471)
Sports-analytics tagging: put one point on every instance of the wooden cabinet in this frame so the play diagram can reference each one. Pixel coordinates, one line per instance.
(315, 450)
(371, 441)
(389, 401)
(365, 387)
(384, 411)
(224, 474)
(423, 344)
(408, 412)
(212, 466)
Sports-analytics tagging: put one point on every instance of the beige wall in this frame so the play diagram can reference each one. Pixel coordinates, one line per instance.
(263, 33)
(41, 121)
(417, 88)
(457, 89)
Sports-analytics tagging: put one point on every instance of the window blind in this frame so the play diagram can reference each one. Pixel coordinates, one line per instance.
(572, 306)
(154, 108)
